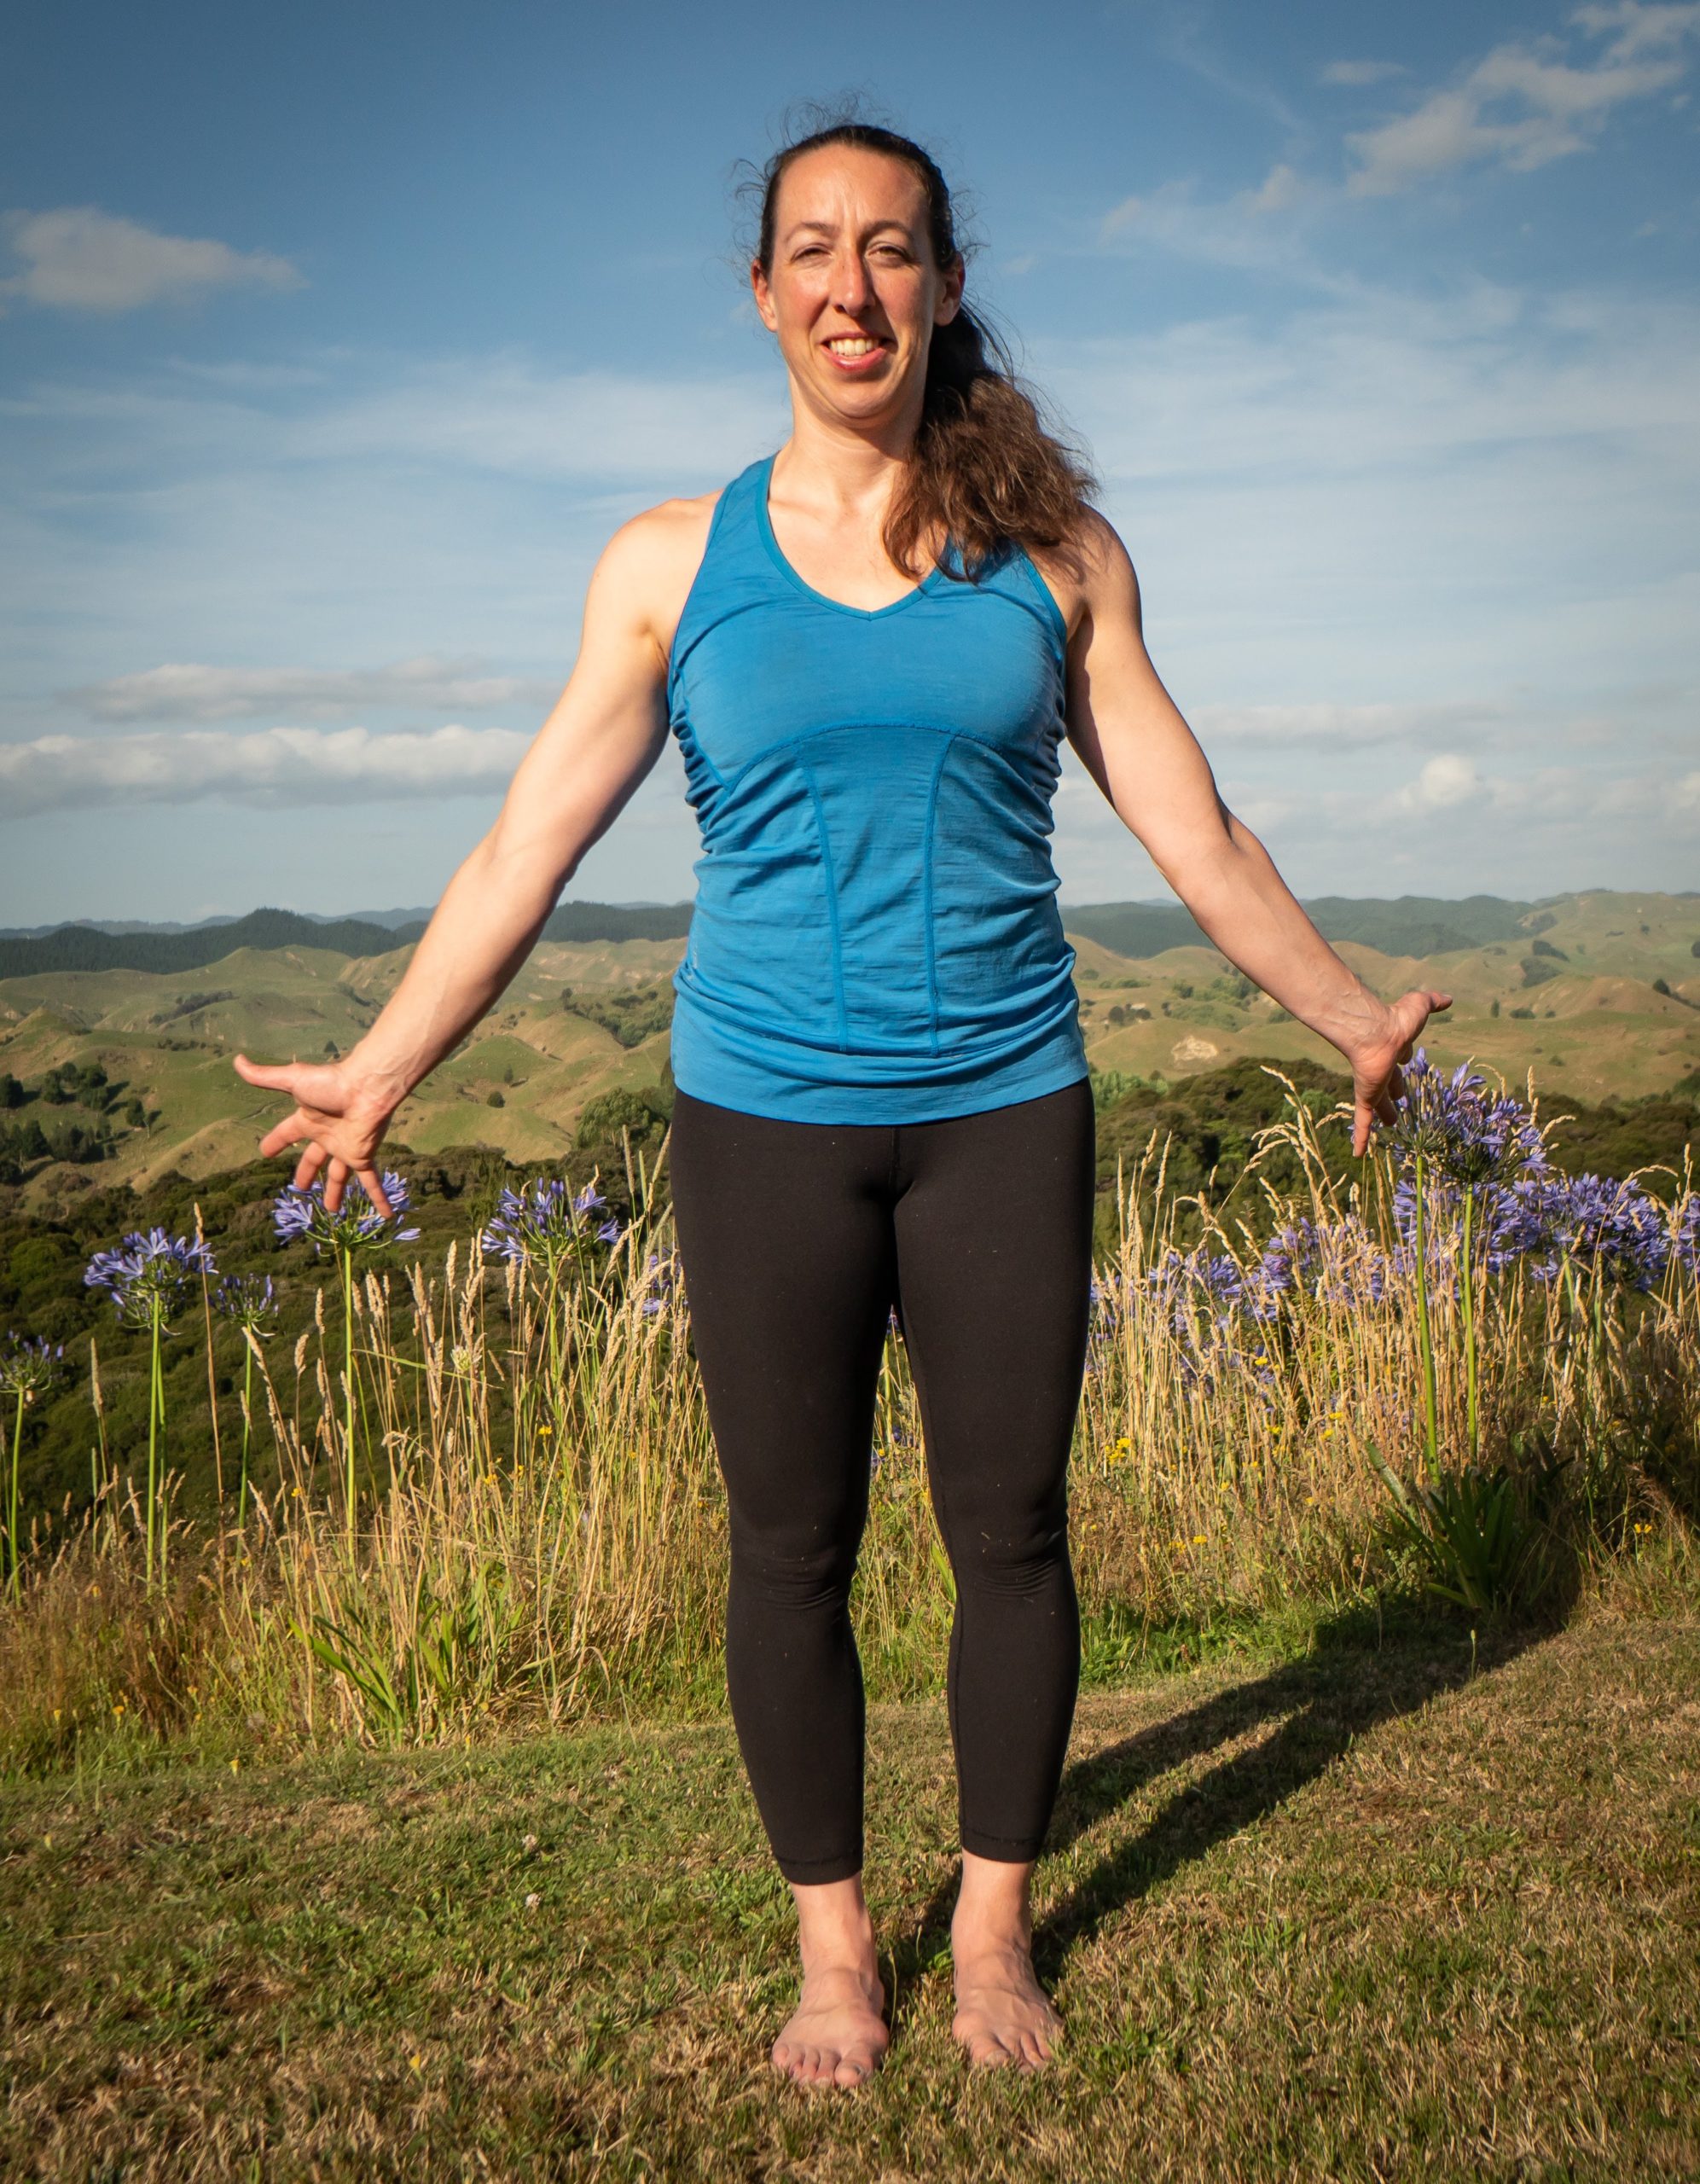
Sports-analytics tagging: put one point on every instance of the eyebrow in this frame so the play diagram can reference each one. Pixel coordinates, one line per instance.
(829, 228)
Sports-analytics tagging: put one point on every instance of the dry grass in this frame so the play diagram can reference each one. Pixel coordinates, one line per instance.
(546, 1543)
(1404, 1908)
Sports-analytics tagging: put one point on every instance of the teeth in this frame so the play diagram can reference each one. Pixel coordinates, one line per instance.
(853, 346)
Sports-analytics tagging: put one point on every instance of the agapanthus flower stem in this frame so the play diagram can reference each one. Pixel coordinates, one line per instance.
(345, 1264)
(156, 1412)
(12, 1509)
(212, 1376)
(247, 1430)
(1425, 1336)
(1468, 1295)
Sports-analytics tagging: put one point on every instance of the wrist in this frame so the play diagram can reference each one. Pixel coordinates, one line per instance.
(1354, 1022)
(379, 1081)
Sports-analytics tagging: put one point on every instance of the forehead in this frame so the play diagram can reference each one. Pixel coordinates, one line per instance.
(839, 182)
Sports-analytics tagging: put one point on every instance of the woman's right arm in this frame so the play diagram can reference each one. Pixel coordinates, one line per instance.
(606, 730)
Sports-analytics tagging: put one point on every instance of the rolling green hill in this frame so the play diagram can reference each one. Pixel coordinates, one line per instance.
(122, 1073)
(92, 948)
(86, 948)
(1412, 925)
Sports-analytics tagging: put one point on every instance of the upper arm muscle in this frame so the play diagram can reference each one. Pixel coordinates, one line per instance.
(1125, 727)
(608, 726)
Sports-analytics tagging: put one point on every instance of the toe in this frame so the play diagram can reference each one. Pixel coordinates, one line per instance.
(867, 2055)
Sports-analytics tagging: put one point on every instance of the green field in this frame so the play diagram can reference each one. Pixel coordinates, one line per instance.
(1414, 1903)
(378, 1816)
(1576, 1006)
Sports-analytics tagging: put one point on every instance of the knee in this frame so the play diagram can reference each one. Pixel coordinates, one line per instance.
(778, 1570)
(1017, 1557)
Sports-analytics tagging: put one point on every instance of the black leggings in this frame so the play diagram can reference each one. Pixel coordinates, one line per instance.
(798, 1241)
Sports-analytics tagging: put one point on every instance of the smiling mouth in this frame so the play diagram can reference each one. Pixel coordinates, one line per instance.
(851, 347)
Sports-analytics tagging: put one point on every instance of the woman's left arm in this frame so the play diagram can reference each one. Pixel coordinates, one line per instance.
(1133, 742)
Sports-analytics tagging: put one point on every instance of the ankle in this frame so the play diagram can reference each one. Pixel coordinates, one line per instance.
(833, 1928)
(993, 1936)
(994, 1909)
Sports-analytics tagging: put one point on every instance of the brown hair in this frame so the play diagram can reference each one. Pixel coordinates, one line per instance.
(985, 469)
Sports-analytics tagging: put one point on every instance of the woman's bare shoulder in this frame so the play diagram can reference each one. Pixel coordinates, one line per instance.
(659, 538)
(1079, 569)
(651, 561)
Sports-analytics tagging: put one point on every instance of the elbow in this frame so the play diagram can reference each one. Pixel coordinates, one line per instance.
(1189, 857)
(519, 860)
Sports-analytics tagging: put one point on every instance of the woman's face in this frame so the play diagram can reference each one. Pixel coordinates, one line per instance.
(854, 294)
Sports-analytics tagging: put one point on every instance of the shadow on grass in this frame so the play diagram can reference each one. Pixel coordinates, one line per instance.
(1359, 1675)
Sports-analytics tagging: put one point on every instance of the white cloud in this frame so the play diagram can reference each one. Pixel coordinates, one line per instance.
(1377, 386)
(1523, 106)
(1237, 232)
(499, 414)
(188, 691)
(1555, 798)
(1640, 28)
(272, 766)
(1337, 727)
(1352, 73)
(76, 257)
(1446, 780)
(502, 413)
(1280, 189)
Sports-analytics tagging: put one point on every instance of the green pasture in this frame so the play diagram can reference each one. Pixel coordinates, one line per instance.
(1576, 1005)
(1407, 1901)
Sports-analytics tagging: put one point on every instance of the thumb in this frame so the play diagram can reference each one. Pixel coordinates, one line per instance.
(277, 1076)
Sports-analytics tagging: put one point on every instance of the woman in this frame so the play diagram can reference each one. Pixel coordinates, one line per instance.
(870, 645)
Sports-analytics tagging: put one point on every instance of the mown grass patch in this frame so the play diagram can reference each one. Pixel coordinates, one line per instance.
(1422, 1902)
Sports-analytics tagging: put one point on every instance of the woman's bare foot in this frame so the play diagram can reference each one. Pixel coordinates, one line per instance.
(1003, 2015)
(837, 2034)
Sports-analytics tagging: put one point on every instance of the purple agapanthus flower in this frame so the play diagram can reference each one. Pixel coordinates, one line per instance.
(1617, 1226)
(1289, 1260)
(1685, 1241)
(1198, 1288)
(29, 1364)
(356, 1224)
(1500, 1227)
(543, 1221)
(248, 1299)
(659, 1282)
(148, 1277)
(1471, 1137)
(1335, 1263)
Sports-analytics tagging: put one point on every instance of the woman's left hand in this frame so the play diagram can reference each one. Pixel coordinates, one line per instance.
(1376, 1079)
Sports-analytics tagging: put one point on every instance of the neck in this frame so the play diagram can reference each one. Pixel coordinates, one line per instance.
(845, 474)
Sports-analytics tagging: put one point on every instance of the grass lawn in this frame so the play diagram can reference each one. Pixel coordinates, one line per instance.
(1386, 1911)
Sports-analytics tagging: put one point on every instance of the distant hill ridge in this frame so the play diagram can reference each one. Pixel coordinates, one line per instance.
(1410, 925)
(88, 948)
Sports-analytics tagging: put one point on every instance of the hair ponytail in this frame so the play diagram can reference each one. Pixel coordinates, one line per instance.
(985, 470)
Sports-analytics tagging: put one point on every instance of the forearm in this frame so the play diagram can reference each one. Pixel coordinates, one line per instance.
(1232, 889)
(482, 930)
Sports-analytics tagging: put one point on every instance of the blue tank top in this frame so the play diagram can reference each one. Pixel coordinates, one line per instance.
(875, 937)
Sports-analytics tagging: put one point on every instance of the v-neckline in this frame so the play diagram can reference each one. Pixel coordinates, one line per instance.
(934, 576)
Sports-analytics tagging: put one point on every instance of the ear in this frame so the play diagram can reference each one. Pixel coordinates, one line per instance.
(950, 295)
(763, 296)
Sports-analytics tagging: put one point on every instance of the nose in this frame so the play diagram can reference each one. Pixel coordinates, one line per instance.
(852, 290)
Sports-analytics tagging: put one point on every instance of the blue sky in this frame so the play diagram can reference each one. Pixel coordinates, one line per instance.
(337, 340)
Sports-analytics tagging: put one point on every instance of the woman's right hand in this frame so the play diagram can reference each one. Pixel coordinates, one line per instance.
(341, 1109)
